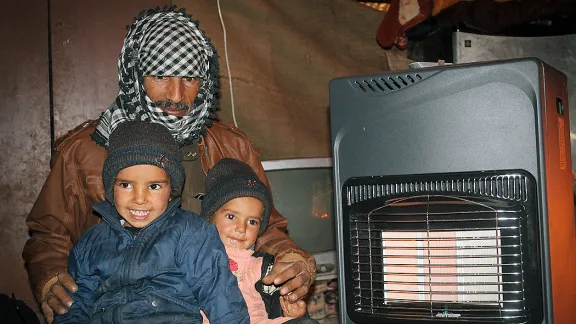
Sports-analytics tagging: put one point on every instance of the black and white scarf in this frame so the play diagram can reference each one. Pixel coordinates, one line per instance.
(163, 42)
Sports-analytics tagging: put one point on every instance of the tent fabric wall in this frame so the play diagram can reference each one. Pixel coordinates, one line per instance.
(24, 133)
(282, 56)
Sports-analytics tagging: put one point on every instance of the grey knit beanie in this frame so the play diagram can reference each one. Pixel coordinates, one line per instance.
(230, 179)
(138, 142)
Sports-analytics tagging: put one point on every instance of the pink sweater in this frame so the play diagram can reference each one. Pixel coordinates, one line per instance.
(248, 271)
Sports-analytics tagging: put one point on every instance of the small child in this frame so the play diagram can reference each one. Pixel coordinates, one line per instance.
(239, 204)
(149, 261)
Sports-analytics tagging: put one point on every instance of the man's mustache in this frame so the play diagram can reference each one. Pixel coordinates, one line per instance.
(170, 105)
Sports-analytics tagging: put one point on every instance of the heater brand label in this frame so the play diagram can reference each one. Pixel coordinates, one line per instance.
(446, 314)
(561, 143)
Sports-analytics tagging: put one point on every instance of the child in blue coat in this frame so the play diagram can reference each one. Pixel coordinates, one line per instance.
(149, 261)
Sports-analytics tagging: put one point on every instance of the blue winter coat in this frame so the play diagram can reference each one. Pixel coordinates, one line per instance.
(174, 267)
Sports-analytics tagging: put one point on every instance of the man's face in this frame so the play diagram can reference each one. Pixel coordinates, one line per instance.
(238, 221)
(174, 95)
(141, 194)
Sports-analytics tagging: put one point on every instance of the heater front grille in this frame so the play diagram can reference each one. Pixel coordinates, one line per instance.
(439, 258)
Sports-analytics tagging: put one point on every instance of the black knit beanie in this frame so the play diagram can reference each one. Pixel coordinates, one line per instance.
(230, 179)
(138, 142)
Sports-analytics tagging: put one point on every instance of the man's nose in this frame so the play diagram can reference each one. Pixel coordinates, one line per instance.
(175, 89)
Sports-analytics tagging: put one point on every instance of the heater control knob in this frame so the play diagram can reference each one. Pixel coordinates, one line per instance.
(324, 267)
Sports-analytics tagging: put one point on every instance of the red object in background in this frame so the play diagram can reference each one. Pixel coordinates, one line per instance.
(391, 27)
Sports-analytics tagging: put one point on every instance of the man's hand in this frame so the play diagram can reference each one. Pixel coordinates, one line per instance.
(293, 275)
(297, 309)
(56, 297)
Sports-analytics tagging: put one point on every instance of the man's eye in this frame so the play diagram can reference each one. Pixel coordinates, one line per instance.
(159, 77)
(190, 82)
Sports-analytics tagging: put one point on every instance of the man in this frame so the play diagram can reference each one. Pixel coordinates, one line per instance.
(168, 72)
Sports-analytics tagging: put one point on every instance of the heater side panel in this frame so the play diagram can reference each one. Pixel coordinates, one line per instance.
(560, 195)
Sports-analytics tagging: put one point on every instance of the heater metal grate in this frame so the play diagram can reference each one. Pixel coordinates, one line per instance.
(439, 258)
(509, 186)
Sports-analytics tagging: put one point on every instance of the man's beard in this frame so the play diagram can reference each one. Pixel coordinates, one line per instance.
(168, 106)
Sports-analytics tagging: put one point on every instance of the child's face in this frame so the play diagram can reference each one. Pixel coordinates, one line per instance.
(238, 221)
(141, 194)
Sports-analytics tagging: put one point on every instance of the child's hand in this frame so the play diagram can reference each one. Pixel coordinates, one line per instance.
(296, 309)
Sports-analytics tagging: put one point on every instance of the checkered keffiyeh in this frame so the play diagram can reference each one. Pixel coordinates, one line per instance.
(163, 42)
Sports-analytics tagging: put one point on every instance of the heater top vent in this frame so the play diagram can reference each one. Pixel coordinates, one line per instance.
(388, 83)
(508, 186)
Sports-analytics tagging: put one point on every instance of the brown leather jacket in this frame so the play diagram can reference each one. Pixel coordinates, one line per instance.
(63, 210)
